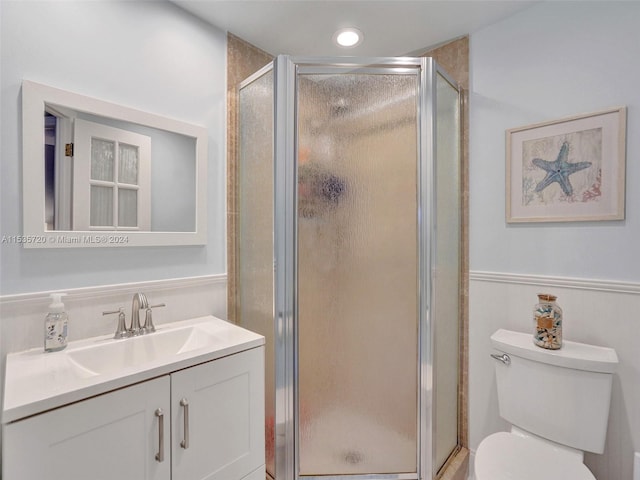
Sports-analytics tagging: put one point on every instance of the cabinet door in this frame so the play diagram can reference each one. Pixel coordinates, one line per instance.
(225, 402)
(112, 436)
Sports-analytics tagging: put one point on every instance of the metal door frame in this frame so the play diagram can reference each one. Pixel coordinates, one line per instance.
(286, 251)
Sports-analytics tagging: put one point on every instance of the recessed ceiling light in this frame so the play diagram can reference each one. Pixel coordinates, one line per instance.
(348, 37)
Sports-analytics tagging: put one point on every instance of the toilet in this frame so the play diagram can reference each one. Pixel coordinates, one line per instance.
(557, 402)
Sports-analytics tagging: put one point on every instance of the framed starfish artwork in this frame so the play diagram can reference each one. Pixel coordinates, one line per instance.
(567, 170)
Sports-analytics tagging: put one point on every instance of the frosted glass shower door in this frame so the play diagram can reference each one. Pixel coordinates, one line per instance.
(255, 230)
(446, 273)
(357, 253)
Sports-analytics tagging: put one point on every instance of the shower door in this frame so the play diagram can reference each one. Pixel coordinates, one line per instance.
(357, 263)
(354, 214)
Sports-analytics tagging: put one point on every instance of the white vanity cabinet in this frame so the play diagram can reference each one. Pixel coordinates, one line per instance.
(220, 405)
(112, 436)
(201, 422)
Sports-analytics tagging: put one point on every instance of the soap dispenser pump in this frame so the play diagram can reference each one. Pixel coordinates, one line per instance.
(55, 325)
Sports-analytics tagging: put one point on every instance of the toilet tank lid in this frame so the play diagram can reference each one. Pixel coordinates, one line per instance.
(579, 356)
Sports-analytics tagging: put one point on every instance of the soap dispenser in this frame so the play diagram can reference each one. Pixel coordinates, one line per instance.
(55, 325)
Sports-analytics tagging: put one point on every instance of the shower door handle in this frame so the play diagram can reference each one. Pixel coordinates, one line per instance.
(504, 358)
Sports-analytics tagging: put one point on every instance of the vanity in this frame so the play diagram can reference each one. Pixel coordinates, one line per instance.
(185, 402)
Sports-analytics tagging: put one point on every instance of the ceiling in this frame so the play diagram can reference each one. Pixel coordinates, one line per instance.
(391, 27)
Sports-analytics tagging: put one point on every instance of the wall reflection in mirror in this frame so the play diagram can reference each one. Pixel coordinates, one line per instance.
(92, 166)
(120, 176)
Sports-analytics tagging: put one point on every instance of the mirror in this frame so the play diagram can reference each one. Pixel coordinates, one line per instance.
(100, 174)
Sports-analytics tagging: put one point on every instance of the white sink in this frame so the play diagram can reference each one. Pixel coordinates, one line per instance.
(116, 355)
(36, 381)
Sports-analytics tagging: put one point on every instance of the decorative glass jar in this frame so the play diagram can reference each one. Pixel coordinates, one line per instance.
(547, 322)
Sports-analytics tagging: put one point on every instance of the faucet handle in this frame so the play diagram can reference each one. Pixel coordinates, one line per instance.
(148, 326)
(121, 331)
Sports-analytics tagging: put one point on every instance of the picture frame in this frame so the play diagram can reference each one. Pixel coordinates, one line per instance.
(567, 170)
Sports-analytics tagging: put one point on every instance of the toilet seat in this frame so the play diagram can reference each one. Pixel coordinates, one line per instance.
(506, 456)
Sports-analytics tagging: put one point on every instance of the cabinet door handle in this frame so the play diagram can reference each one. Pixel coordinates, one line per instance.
(185, 405)
(160, 455)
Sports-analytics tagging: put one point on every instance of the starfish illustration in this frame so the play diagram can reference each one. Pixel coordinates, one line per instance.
(559, 170)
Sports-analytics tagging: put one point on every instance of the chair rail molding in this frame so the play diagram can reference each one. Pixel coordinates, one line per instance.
(562, 282)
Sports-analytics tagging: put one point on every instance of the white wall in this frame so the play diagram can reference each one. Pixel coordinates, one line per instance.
(553, 60)
(152, 56)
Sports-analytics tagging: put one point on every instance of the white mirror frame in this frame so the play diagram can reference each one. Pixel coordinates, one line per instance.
(35, 97)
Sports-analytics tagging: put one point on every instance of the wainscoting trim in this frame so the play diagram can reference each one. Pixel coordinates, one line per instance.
(109, 290)
(566, 282)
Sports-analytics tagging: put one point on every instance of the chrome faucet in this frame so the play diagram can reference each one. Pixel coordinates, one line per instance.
(139, 302)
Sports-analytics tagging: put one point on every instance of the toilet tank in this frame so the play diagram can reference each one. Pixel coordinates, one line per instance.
(561, 395)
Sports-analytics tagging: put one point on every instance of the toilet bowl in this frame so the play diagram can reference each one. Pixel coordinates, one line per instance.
(557, 402)
(509, 456)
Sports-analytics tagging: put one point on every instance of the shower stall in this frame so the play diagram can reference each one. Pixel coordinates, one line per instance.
(349, 263)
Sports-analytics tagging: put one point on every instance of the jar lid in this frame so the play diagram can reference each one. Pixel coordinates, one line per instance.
(547, 297)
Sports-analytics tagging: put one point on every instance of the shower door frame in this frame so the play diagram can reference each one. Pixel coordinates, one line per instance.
(286, 69)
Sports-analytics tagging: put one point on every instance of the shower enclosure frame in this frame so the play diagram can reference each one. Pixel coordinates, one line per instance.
(285, 70)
